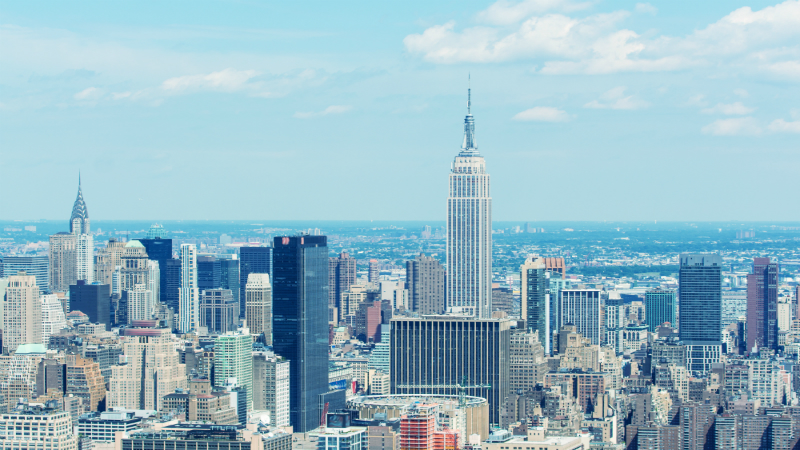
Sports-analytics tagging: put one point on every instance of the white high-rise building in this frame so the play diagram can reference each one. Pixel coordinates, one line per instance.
(22, 319)
(53, 318)
(141, 303)
(258, 301)
(189, 295)
(154, 280)
(469, 230)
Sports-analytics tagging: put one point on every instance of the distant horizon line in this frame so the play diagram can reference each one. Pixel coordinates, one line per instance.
(416, 220)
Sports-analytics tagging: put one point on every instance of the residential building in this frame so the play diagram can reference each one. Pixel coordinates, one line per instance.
(469, 229)
(258, 294)
(534, 298)
(425, 279)
(341, 275)
(584, 309)
(189, 319)
(84, 380)
(62, 260)
(526, 360)
(660, 306)
(36, 427)
(141, 303)
(271, 391)
(53, 318)
(22, 317)
(233, 360)
(300, 322)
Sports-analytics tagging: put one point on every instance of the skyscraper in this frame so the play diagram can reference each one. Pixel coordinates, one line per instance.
(271, 387)
(700, 299)
(22, 319)
(94, 300)
(584, 309)
(209, 272)
(534, 298)
(258, 293)
(425, 277)
(84, 243)
(660, 307)
(159, 249)
(762, 305)
(341, 275)
(53, 318)
(300, 322)
(374, 274)
(252, 260)
(171, 294)
(233, 358)
(62, 261)
(219, 312)
(189, 295)
(469, 229)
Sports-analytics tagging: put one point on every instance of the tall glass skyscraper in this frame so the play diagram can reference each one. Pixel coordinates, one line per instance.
(762, 305)
(660, 307)
(534, 300)
(252, 260)
(469, 229)
(160, 250)
(300, 322)
(700, 300)
(189, 313)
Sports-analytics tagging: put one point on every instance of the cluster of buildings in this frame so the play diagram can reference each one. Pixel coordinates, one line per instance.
(136, 344)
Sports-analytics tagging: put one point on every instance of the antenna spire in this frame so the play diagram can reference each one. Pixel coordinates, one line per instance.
(469, 93)
(79, 177)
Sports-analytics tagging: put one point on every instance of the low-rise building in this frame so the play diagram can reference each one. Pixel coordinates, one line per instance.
(30, 426)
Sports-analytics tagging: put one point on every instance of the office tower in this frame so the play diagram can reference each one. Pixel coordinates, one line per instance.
(425, 278)
(341, 275)
(159, 249)
(431, 355)
(700, 300)
(762, 305)
(53, 318)
(374, 273)
(253, 260)
(271, 387)
(233, 358)
(150, 369)
(107, 260)
(171, 295)
(36, 266)
(94, 300)
(84, 380)
(209, 272)
(219, 312)
(62, 260)
(258, 295)
(141, 303)
(189, 296)
(368, 321)
(469, 229)
(300, 325)
(534, 298)
(229, 279)
(134, 265)
(584, 309)
(526, 358)
(660, 307)
(22, 321)
(51, 427)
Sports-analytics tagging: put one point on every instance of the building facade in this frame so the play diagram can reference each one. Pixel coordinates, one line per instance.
(189, 310)
(534, 298)
(22, 318)
(425, 278)
(584, 309)
(271, 387)
(469, 229)
(258, 313)
(94, 300)
(660, 307)
(233, 359)
(762, 305)
(700, 299)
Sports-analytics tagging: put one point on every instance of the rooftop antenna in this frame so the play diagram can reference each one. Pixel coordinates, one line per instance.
(469, 92)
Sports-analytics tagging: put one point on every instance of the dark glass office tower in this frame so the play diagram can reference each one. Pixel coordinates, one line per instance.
(94, 300)
(253, 260)
(209, 273)
(229, 279)
(762, 305)
(300, 322)
(171, 295)
(159, 250)
(700, 306)
(659, 307)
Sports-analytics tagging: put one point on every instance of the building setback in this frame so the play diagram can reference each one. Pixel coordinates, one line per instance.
(431, 355)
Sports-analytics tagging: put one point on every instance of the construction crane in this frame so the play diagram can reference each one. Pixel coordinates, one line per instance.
(461, 387)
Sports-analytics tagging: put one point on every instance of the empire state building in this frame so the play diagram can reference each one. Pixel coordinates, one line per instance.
(469, 229)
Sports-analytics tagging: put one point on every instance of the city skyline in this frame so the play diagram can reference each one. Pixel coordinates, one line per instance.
(637, 100)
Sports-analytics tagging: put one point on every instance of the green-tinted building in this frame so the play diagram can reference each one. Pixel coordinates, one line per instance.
(660, 307)
(233, 358)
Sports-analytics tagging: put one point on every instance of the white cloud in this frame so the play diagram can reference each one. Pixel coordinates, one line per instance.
(741, 93)
(646, 8)
(543, 114)
(697, 100)
(616, 99)
(91, 93)
(120, 95)
(504, 12)
(744, 126)
(730, 109)
(333, 109)
(782, 126)
(224, 80)
(766, 40)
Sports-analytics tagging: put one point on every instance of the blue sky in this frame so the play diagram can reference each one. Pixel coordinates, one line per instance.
(585, 110)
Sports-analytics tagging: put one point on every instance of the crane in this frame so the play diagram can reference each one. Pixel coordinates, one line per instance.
(461, 387)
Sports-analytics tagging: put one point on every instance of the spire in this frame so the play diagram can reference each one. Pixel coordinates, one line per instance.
(80, 212)
(469, 144)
